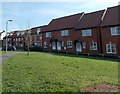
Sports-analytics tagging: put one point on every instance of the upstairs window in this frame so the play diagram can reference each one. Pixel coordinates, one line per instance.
(22, 33)
(64, 32)
(38, 30)
(29, 32)
(69, 44)
(93, 46)
(111, 48)
(11, 34)
(86, 32)
(48, 34)
(18, 34)
(7, 34)
(115, 30)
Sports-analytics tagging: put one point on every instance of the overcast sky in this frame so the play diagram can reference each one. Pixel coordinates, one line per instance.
(30, 14)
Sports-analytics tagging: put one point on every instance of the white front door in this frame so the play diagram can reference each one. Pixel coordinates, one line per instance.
(78, 47)
(58, 46)
(53, 46)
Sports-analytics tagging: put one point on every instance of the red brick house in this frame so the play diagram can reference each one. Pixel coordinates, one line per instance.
(59, 34)
(110, 31)
(18, 39)
(36, 36)
(87, 35)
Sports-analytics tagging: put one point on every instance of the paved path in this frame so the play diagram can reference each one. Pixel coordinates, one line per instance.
(7, 55)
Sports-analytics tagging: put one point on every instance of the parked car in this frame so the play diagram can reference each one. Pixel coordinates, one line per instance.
(9, 48)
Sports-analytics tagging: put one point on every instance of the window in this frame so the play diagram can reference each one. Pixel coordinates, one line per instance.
(11, 34)
(84, 45)
(45, 44)
(93, 46)
(7, 34)
(64, 32)
(69, 44)
(115, 30)
(16, 39)
(21, 45)
(22, 33)
(86, 32)
(40, 44)
(48, 34)
(18, 34)
(62, 43)
(30, 38)
(38, 31)
(35, 38)
(111, 48)
(19, 39)
(40, 37)
(36, 44)
(29, 32)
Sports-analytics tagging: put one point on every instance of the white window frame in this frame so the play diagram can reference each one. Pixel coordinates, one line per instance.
(93, 46)
(40, 37)
(62, 43)
(45, 44)
(115, 30)
(69, 44)
(18, 34)
(48, 34)
(111, 48)
(38, 30)
(40, 44)
(22, 33)
(35, 38)
(64, 32)
(29, 32)
(11, 34)
(87, 32)
(84, 45)
(19, 39)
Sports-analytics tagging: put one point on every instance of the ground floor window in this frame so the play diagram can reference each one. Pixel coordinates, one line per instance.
(111, 48)
(69, 44)
(53, 45)
(45, 44)
(93, 46)
(62, 43)
(40, 44)
(84, 45)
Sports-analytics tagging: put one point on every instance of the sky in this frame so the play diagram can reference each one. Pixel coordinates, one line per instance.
(30, 14)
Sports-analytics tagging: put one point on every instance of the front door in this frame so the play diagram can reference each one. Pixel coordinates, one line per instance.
(58, 46)
(53, 45)
(78, 47)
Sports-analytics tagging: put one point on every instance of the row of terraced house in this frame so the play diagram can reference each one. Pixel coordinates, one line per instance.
(86, 33)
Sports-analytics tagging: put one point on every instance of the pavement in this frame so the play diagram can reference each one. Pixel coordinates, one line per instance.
(7, 55)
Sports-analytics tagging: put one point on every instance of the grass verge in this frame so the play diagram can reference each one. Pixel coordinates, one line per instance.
(51, 72)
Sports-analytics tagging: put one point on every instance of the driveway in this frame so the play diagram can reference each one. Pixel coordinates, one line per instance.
(7, 55)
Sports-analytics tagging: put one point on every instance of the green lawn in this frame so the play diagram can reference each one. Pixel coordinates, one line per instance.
(50, 72)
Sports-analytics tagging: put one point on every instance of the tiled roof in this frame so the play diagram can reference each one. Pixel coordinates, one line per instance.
(63, 22)
(112, 16)
(90, 20)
